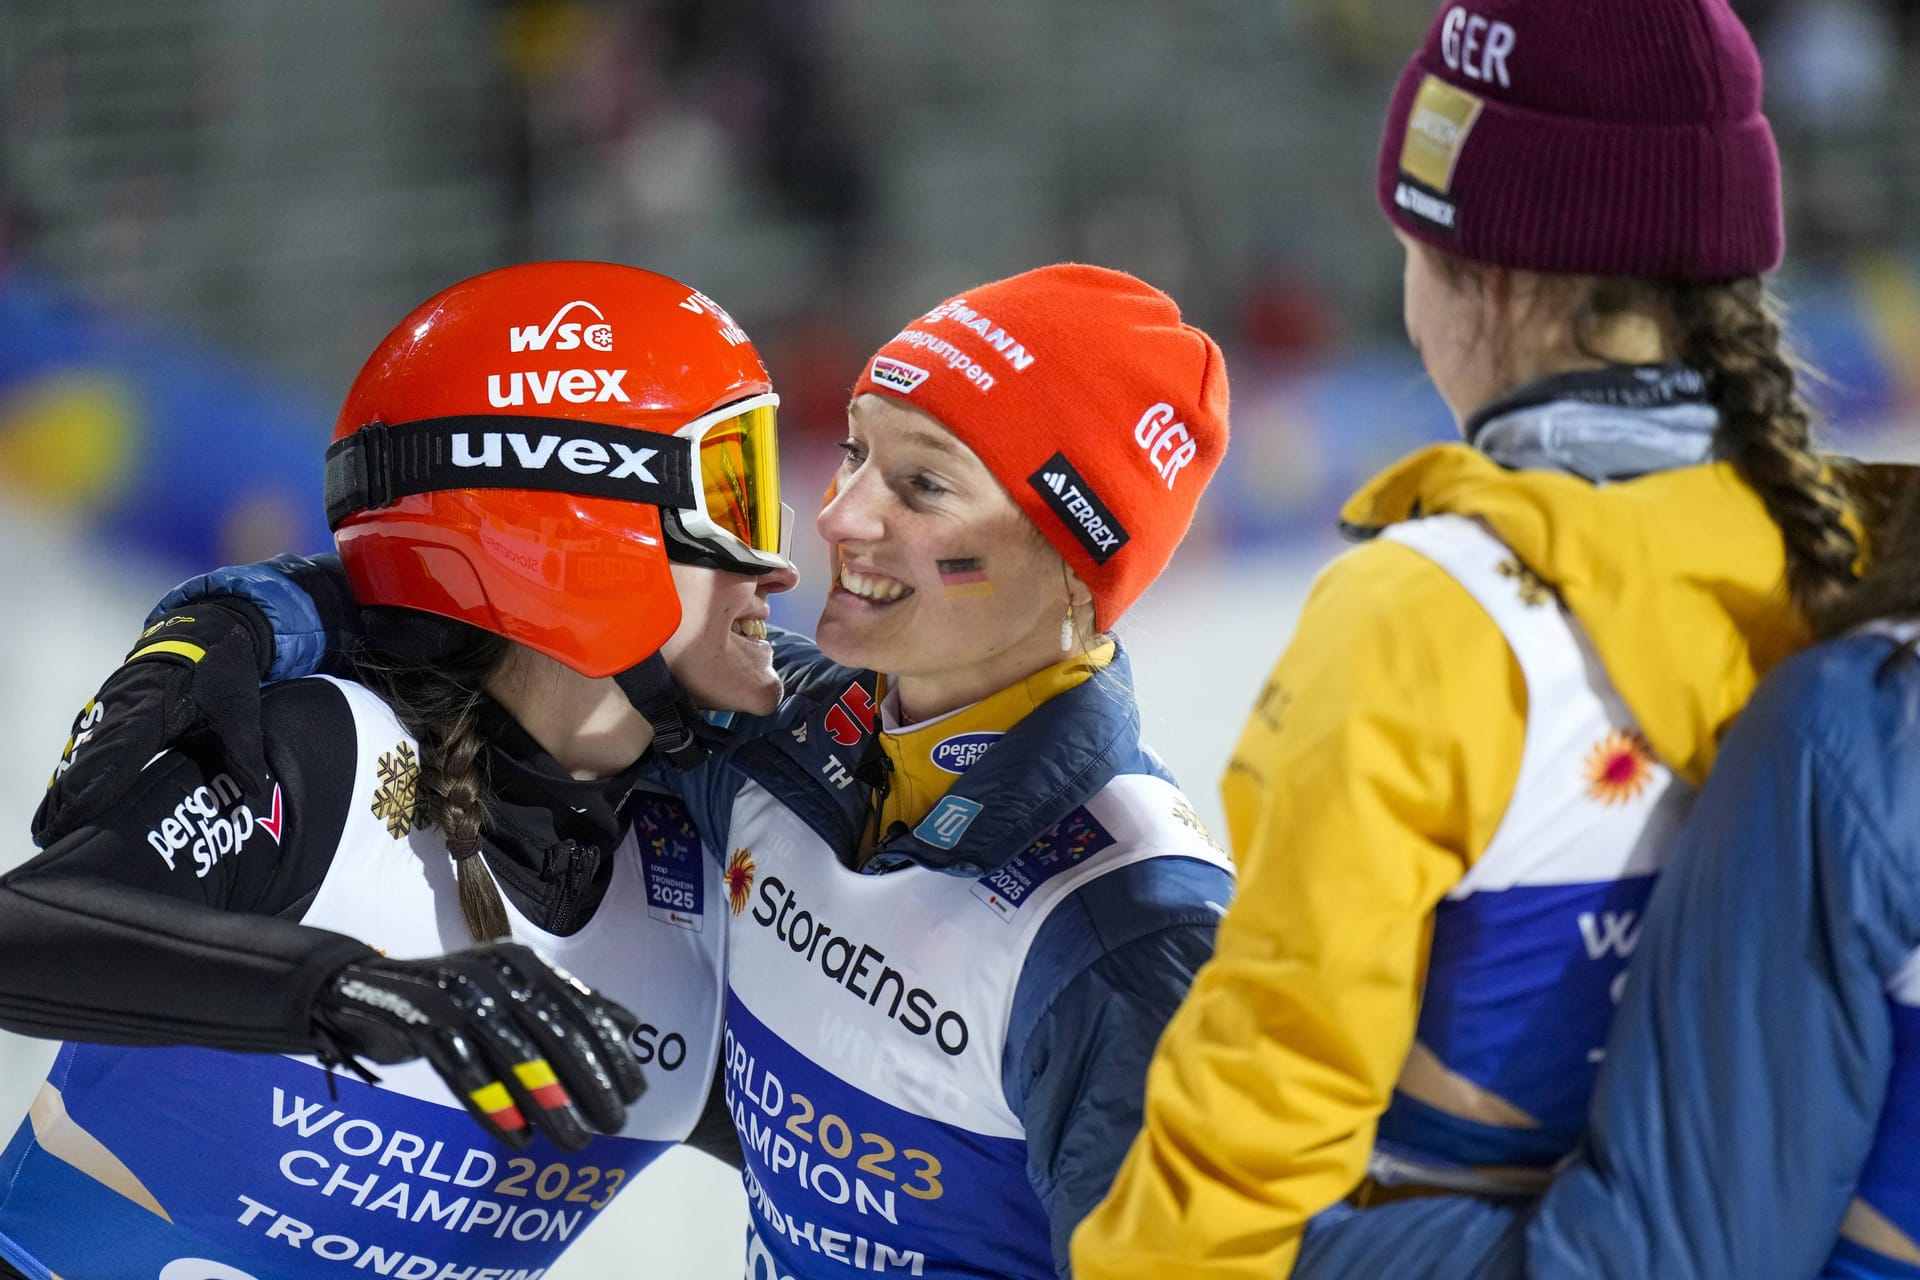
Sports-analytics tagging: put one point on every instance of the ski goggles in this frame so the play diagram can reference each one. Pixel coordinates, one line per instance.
(736, 518)
(717, 479)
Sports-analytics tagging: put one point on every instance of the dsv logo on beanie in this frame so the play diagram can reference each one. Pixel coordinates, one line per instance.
(897, 375)
(1073, 500)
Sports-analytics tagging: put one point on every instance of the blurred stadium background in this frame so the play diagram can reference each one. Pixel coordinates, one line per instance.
(210, 210)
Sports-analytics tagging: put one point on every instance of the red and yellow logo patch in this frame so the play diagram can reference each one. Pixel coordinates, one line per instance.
(1619, 768)
(739, 879)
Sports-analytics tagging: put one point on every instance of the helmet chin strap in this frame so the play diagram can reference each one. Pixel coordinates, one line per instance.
(680, 732)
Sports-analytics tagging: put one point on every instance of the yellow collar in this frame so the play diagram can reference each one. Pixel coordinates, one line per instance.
(927, 758)
(1678, 578)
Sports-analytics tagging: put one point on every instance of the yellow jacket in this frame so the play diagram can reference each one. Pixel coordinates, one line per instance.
(1376, 765)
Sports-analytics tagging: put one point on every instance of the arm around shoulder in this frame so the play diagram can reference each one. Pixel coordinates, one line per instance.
(160, 927)
(305, 602)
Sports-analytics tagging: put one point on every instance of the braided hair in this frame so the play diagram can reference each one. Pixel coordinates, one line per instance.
(1731, 332)
(439, 704)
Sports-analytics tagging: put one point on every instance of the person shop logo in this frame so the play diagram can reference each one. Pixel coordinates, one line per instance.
(564, 334)
(211, 823)
(962, 751)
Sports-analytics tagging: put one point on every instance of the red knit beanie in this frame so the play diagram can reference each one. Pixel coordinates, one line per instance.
(1093, 405)
(1604, 137)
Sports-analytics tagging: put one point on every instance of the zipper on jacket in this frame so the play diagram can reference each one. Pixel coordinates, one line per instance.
(875, 772)
(577, 863)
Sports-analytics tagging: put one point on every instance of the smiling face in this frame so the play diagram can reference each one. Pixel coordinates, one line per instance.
(719, 653)
(940, 580)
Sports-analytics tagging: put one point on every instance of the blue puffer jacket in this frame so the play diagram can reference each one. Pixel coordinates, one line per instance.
(1761, 1094)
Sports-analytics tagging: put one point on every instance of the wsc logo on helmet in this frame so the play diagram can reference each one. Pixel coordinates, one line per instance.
(535, 337)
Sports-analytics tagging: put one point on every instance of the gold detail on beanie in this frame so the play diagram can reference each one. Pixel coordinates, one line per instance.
(1437, 128)
(393, 798)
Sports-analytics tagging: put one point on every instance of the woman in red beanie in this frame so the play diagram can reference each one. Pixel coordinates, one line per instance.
(964, 896)
(1454, 794)
(945, 985)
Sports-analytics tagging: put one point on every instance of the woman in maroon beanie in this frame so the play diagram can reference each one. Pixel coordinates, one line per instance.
(1452, 799)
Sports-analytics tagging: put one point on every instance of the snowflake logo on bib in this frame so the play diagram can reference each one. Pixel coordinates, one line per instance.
(1184, 814)
(1534, 590)
(399, 774)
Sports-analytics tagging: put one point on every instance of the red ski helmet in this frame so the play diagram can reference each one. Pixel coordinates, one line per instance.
(527, 449)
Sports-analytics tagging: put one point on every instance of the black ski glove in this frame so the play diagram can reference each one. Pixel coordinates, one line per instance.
(191, 682)
(524, 1045)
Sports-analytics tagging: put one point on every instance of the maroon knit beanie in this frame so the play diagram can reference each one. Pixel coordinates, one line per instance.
(1602, 137)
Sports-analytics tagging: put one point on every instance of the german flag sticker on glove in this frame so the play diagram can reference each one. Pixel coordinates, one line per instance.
(541, 1083)
(497, 1105)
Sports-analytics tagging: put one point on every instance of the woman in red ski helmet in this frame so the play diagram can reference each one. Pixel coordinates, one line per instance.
(555, 488)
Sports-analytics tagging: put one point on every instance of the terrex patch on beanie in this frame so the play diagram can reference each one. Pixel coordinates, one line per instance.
(1087, 398)
(1605, 137)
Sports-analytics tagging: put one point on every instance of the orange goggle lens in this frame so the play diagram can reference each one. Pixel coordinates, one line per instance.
(738, 461)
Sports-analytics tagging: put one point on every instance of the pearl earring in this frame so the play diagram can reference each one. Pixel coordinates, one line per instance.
(1066, 630)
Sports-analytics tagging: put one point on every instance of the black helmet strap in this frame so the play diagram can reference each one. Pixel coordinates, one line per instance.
(680, 732)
